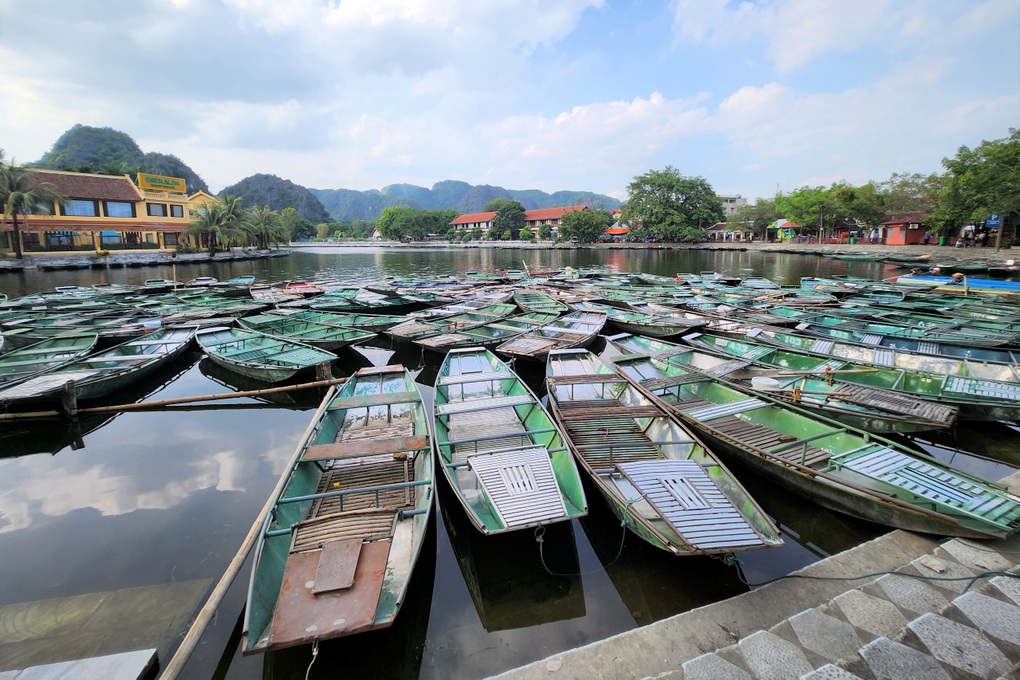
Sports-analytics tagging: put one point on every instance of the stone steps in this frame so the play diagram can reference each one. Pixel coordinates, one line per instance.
(895, 626)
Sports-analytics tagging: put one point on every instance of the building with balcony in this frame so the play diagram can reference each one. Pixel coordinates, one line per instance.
(104, 212)
(533, 219)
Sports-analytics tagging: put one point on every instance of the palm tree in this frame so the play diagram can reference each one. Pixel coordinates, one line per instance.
(264, 226)
(225, 219)
(20, 193)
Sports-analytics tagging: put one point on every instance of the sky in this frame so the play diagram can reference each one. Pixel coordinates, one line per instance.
(582, 95)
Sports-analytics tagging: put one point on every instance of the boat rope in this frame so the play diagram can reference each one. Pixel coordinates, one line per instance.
(540, 539)
(315, 654)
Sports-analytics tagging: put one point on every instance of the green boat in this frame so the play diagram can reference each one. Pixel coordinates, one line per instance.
(323, 336)
(505, 459)
(260, 356)
(658, 478)
(842, 468)
(43, 356)
(415, 329)
(867, 408)
(976, 399)
(867, 352)
(575, 330)
(106, 372)
(366, 322)
(657, 325)
(348, 517)
(487, 335)
(532, 300)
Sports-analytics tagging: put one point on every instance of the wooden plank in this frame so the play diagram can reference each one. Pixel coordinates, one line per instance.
(301, 616)
(366, 400)
(337, 562)
(365, 447)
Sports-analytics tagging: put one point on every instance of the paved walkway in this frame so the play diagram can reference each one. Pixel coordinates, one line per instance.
(930, 610)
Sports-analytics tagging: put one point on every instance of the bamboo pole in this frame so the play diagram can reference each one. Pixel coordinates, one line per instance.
(824, 372)
(141, 406)
(208, 611)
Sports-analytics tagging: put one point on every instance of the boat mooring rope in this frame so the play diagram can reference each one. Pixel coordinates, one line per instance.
(540, 539)
(315, 655)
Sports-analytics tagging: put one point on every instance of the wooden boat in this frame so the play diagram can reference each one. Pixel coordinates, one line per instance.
(657, 325)
(657, 477)
(202, 281)
(414, 329)
(950, 331)
(487, 335)
(533, 300)
(503, 456)
(844, 469)
(575, 330)
(323, 336)
(45, 355)
(301, 288)
(948, 284)
(260, 356)
(366, 322)
(338, 547)
(867, 352)
(106, 372)
(976, 399)
(866, 408)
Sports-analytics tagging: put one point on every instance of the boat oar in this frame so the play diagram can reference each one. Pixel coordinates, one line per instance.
(141, 406)
(824, 372)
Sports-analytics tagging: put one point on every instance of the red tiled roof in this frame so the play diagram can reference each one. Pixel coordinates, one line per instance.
(85, 186)
(550, 213)
(474, 217)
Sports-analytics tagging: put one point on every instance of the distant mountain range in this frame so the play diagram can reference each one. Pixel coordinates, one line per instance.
(91, 149)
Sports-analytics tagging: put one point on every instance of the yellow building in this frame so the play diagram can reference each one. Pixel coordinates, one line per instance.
(106, 212)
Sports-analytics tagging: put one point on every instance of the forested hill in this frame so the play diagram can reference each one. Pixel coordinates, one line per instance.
(345, 205)
(108, 151)
(278, 194)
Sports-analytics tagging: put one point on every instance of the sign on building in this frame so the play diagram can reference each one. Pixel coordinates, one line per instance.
(173, 185)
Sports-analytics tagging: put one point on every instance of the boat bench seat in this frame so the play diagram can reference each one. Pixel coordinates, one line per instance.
(983, 388)
(821, 346)
(473, 377)
(671, 381)
(367, 400)
(871, 338)
(580, 411)
(884, 357)
(483, 404)
(928, 347)
(920, 478)
(719, 410)
(365, 447)
(368, 524)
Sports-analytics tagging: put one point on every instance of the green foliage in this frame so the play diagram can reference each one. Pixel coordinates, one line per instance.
(172, 166)
(509, 216)
(506, 235)
(525, 234)
(910, 193)
(265, 227)
(584, 225)
(491, 234)
(495, 204)
(226, 222)
(544, 231)
(670, 206)
(278, 194)
(755, 217)
(406, 223)
(303, 231)
(93, 146)
(21, 194)
(980, 182)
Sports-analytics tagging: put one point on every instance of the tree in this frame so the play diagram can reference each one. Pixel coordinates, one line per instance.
(755, 217)
(265, 227)
(525, 234)
(225, 220)
(980, 182)
(21, 194)
(670, 206)
(584, 225)
(510, 215)
(545, 231)
(290, 219)
(910, 193)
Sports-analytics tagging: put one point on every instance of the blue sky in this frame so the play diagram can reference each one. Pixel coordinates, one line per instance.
(524, 94)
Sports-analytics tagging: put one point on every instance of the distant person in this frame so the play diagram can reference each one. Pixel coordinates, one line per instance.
(927, 238)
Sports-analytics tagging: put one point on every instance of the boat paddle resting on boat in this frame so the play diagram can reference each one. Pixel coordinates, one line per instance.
(504, 457)
(658, 478)
(260, 356)
(106, 372)
(348, 518)
(842, 468)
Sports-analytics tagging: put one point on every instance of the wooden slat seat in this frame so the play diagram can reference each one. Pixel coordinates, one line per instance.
(521, 486)
(483, 404)
(983, 388)
(884, 357)
(690, 502)
(365, 447)
(586, 379)
(472, 377)
(928, 347)
(366, 524)
(671, 381)
(603, 411)
(762, 439)
(821, 346)
(367, 400)
(706, 413)
(871, 338)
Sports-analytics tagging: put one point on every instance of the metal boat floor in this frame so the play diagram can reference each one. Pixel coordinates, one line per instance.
(691, 503)
(521, 485)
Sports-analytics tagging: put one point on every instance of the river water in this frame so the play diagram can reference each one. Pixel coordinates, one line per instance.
(112, 535)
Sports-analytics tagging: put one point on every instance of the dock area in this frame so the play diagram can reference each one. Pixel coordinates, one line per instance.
(903, 605)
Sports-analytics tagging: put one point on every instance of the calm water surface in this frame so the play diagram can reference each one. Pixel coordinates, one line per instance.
(112, 535)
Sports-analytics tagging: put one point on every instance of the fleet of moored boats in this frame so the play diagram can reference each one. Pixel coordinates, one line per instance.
(802, 384)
